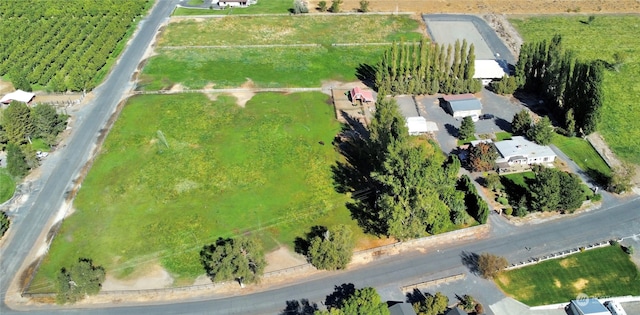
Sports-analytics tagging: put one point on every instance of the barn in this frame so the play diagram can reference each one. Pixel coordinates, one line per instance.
(358, 94)
(463, 105)
(18, 95)
(488, 70)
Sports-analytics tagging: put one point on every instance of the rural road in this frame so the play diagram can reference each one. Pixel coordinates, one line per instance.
(61, 168)
(618, 218)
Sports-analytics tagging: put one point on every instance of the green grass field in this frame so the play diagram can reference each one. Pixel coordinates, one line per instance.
(279, 30)
(265, 67)
(503, 135)
(605, 36)
(7, 185)
(262, 7)
(224, 171)
(520, 178)
(583, 154)
(602, 272)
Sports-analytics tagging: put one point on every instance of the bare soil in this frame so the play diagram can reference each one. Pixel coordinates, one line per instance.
(154, 277)
(497, 6)
(283, 258)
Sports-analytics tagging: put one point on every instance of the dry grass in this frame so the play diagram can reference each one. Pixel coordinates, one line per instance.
(496, 6)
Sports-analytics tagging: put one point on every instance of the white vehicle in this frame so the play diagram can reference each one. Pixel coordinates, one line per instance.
(615, 308)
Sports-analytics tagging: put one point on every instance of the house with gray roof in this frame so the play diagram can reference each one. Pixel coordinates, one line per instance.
(518, 154)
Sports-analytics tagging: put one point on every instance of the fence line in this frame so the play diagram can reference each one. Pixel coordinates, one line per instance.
(558, 255)
(433, 282)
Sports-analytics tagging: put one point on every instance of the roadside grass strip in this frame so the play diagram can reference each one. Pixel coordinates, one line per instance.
(606, 271)
(599, 40)
(179, 171)
(7, 185)
(262, 7)
(264, 67)
(268, 30)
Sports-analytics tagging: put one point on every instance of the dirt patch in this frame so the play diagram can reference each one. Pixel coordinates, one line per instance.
(242, 97)
(153, 277)
(505, 31)
(557, 283)
(502, 278)
(369, 243)
(580, 284)
(6, 87)
(568, 262)
(283, 258)
(177, 88)
(496, 6)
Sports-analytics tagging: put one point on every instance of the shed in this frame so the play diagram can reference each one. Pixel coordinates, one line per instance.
(488, 70)
(401, 309)
(463, 105)
(588, 307)
(18, 95)
(362, 95)
(419, 125)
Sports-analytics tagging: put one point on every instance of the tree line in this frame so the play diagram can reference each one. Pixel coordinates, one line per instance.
(400, 186)
(20, 125)
(61, 45)
(572, 88)
(426, 68)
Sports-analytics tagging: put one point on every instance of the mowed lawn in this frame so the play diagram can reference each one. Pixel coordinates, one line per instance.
(605, 36)
(602, 272)
(583, 154)
(279, 30)
(264, 67)
(224, 171)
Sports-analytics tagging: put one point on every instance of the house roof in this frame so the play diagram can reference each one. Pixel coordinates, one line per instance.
(590, 307)
(488, 69)
(455, 311)
(466, 104)
(519, 146)
(401, 309)
(18, 95)
(360, 94)
(419, 124)
(458, 97)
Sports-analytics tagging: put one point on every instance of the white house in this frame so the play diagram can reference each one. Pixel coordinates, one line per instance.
(18, 95)
(236, 3)
(521, 152)
(488, 70)
(419, 125)
(518, 153)
(463, 105)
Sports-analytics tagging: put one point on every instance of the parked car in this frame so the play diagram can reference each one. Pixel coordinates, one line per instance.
(486, 116)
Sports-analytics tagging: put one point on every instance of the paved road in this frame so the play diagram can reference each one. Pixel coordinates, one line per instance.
(62, 167)
(488, 34)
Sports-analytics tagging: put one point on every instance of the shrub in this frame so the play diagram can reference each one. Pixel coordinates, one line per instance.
(490, 265)
(628, 249)
(508, 211)
(81, 280)
(503, 201)
(4, 223)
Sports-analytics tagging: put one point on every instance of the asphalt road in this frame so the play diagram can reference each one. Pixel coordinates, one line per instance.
(61, 168)
(620, 218)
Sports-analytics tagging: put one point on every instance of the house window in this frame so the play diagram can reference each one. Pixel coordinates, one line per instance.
(546, 159)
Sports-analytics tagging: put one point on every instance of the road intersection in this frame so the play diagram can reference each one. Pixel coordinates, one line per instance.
(618, 217)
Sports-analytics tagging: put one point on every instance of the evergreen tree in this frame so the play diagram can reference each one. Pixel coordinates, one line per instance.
(521, 123)
(470, 69)
(542, 132)
(16, 164)
(432, 304)
(4, 223)
(17, 122)
(467, 128)
(571, 192)
(545, 189)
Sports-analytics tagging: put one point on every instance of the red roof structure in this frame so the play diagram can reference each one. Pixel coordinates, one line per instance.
(358, 94)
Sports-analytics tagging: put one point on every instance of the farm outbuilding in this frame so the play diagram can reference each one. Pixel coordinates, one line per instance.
(463, 105)
(419, 125)
(358, 94)
(488, 70)
(18, 95)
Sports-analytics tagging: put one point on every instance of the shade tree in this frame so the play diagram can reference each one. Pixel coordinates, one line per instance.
(241, 259)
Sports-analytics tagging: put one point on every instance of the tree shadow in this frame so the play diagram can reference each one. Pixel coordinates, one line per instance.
(470, 260)
(451, 130)
(503, 124)
(302, 307)
(367, 74)
(340, 293)
(415, 296)
(302, 244)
